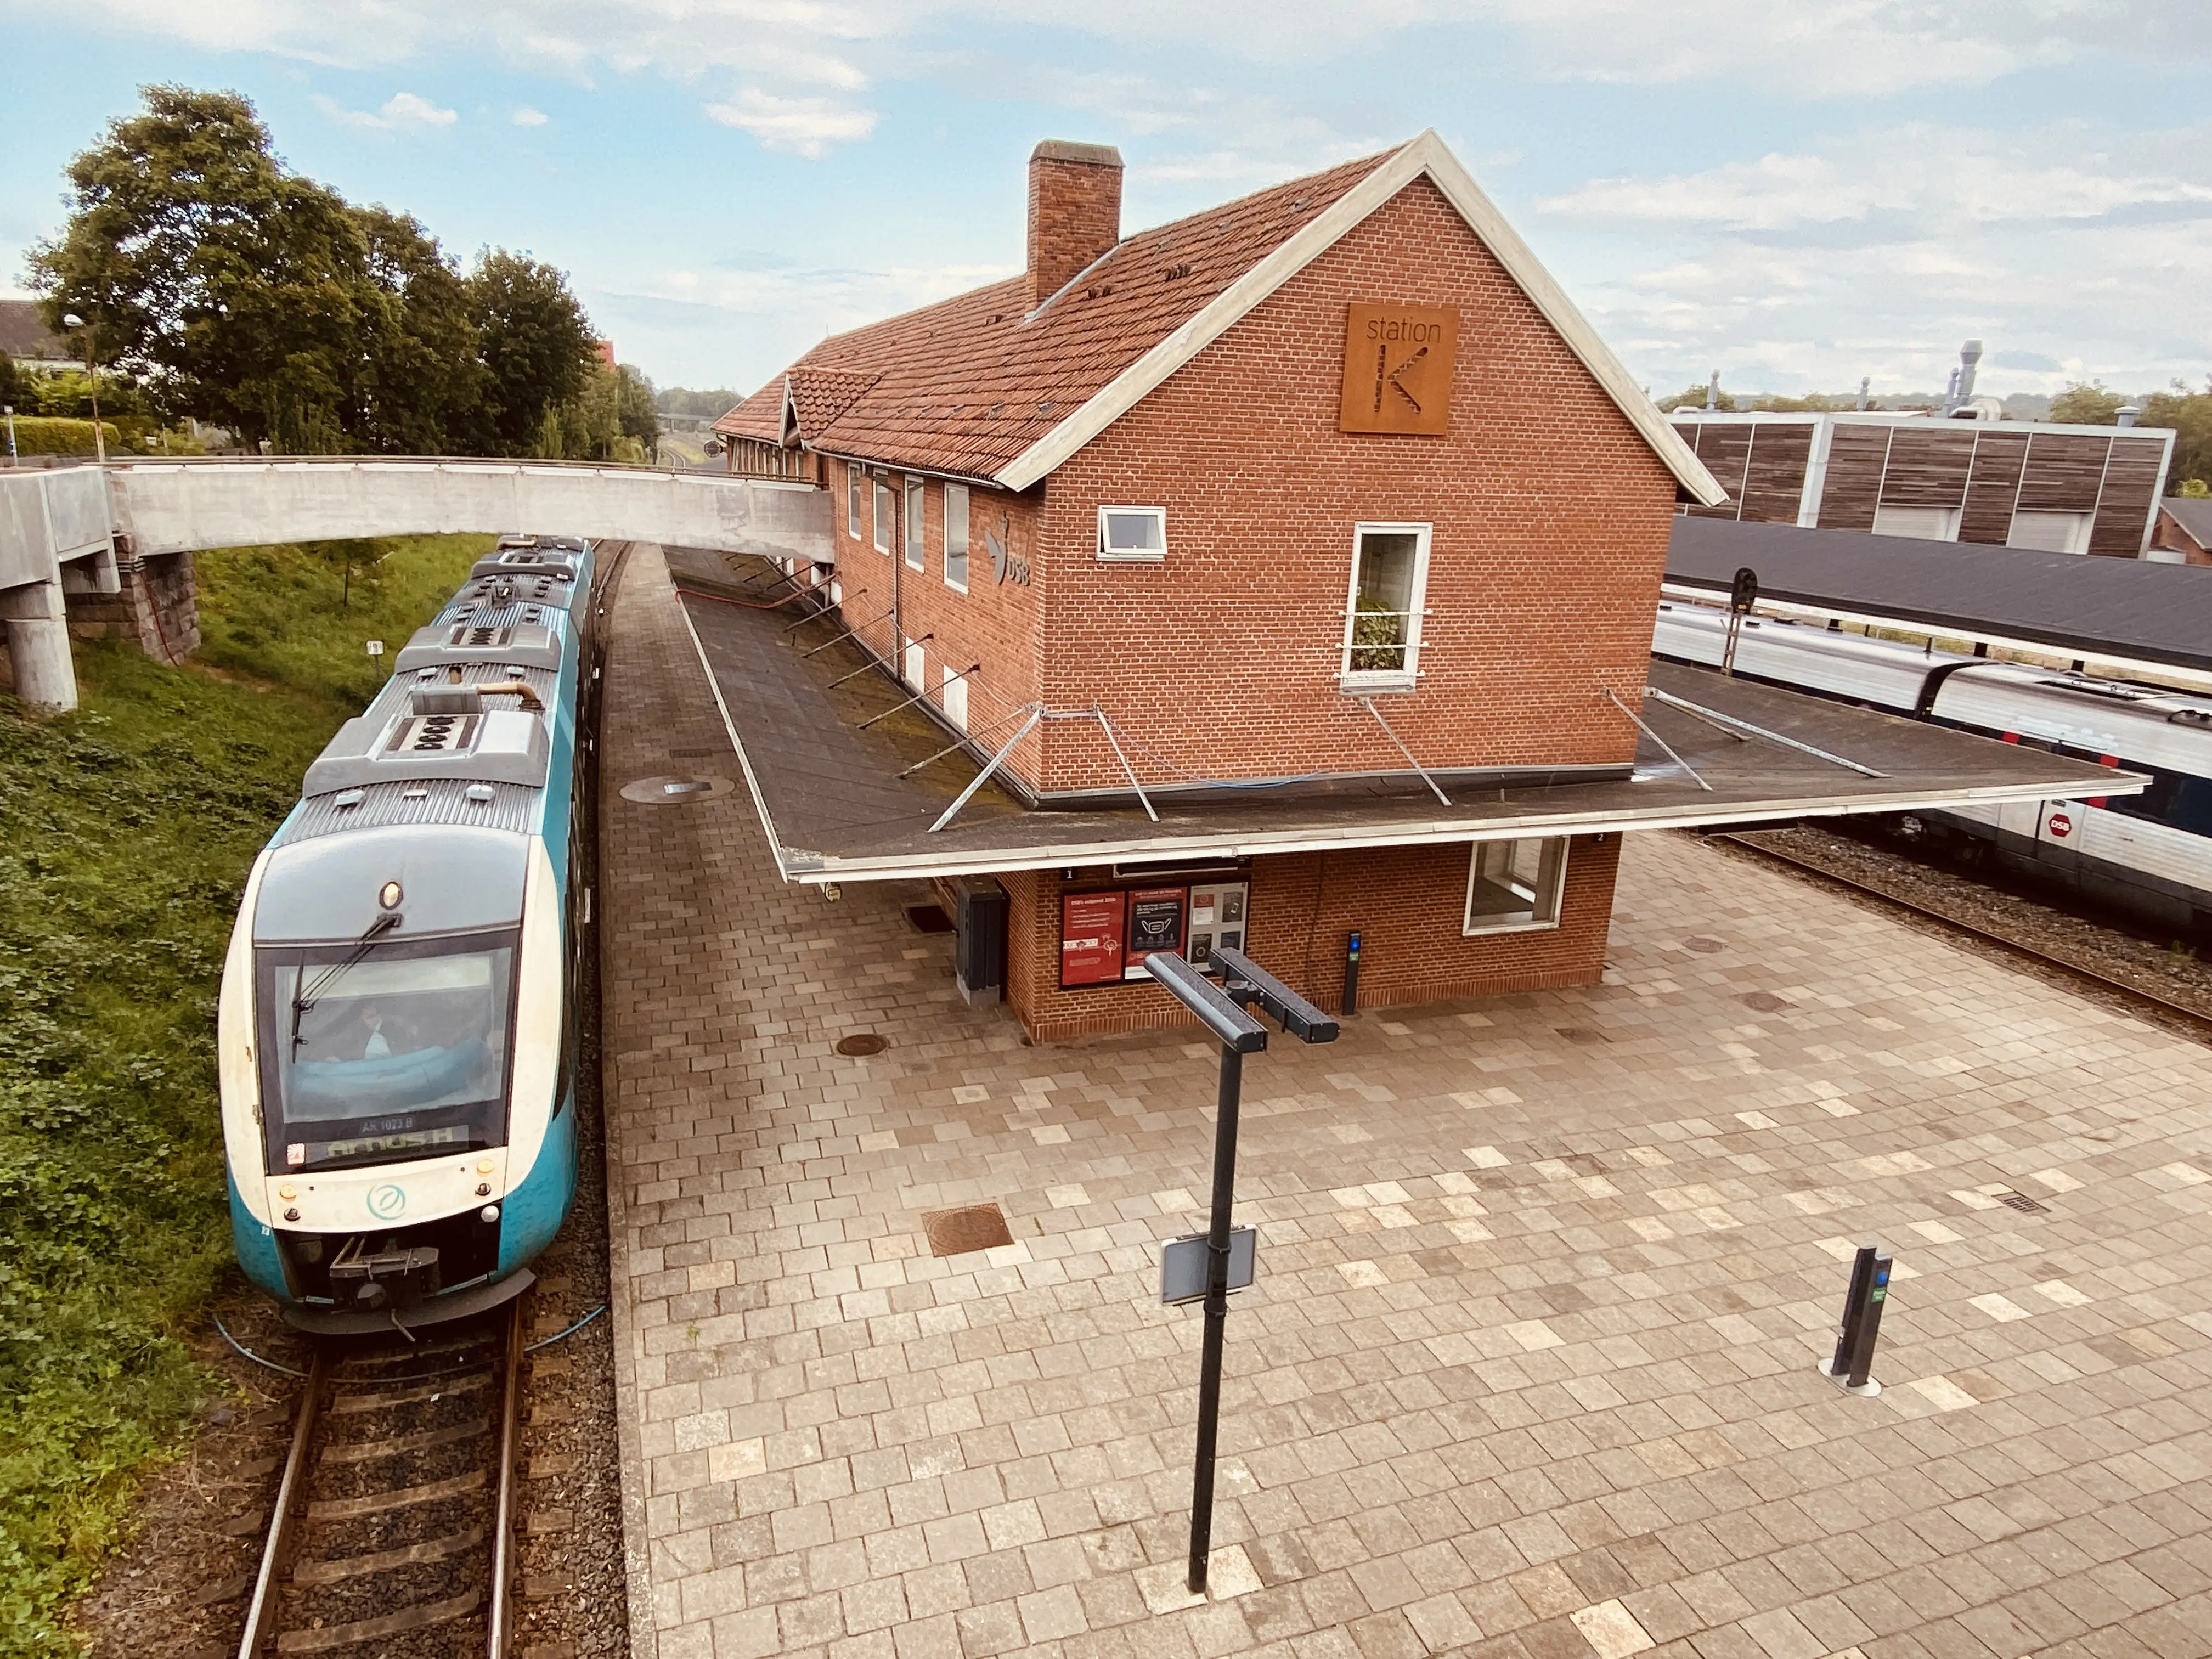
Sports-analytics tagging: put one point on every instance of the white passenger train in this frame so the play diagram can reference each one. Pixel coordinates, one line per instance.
(2149, 853)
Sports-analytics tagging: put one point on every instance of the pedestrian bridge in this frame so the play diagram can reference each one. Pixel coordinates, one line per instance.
(85, 528)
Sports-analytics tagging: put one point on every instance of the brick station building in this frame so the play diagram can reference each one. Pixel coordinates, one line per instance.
(1326, 495)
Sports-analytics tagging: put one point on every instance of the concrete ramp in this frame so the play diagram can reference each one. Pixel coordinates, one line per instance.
(184, 507)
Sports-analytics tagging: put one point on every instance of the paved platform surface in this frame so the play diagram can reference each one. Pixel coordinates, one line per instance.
(1528, 1371)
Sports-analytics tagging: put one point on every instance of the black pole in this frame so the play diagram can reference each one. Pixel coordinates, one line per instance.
(1855, 1302)
(1351, 975)
(1217, 1312)
(1862, 1359)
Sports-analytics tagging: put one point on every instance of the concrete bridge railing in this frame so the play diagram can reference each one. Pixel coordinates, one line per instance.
(62, 531)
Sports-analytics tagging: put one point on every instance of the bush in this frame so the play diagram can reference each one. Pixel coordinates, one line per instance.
(47, 434)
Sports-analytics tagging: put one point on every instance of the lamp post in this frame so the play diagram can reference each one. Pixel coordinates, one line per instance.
(99, 438)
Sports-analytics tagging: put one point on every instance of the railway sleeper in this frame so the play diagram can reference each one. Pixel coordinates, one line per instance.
(381, 1628)
(339, 1568)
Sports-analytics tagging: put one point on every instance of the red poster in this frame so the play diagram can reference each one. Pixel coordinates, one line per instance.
(1156, 916)
(1090, 938)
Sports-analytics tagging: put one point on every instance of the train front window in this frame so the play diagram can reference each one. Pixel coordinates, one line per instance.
(403, 1053)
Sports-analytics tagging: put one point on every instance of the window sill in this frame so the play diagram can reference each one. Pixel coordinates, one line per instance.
(1366, 684)
(1487, 928)
(957, 587)
(1146, 557)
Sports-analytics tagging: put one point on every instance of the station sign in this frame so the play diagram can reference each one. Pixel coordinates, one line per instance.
(1398, 368)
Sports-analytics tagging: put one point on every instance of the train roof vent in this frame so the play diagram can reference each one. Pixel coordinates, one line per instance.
(2102, 689)
(2190, 717)
(439, 735)
(526, 645)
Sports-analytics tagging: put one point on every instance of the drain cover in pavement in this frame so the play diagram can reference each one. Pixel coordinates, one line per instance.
(956, 1232)
(1765, 1002)
(673, 791)
(862, 1042)
(1703, 945)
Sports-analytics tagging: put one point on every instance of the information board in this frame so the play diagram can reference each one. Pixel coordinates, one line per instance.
(1156, 916)
(1090, 938)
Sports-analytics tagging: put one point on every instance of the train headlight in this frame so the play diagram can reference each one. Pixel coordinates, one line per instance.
(489, 1214)
(389, 895)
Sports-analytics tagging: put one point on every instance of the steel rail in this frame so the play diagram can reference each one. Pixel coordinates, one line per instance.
(261, 1611)
(499, 1618)
(2196, 1017)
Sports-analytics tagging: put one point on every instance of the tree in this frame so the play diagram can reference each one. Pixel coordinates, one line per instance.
(2086, 404)
(1693, 399)
(535, 342)
(199, 261)
(11, 381)
(420, 381)
(2190, 414)
(639, 418)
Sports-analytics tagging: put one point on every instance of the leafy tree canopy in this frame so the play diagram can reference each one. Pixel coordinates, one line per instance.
(234, 290)
(2086, 404)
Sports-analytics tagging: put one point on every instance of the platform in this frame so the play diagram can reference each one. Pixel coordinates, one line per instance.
(837, 810)
(1528, 1372)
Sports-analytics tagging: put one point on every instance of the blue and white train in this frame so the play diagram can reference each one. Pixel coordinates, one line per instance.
(2149, 854)
(399, 1026)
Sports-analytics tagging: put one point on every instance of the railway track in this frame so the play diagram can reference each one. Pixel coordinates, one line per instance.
(2196, 1018)
(393, 1531)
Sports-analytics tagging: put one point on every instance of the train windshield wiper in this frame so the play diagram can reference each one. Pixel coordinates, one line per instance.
(323, 981)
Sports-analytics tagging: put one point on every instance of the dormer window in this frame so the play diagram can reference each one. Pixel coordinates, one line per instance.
(1137, 534)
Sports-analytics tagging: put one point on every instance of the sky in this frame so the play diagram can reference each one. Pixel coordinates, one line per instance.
(1796, 192)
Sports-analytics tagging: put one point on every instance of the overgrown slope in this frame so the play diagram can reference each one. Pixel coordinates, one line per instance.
(126, 830)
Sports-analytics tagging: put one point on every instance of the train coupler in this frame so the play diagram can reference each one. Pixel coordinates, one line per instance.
(382, 1278)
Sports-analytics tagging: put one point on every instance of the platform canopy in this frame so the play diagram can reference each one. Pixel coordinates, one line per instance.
(836, 807)
(2123, 611)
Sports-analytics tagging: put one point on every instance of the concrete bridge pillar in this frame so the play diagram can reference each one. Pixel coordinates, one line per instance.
(39, 644)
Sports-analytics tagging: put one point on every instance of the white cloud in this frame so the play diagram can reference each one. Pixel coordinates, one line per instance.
(402, 111)
(527, 117)
(800, 126)
(2070, 250)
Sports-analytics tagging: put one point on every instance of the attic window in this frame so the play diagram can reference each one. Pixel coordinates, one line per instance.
(1133, 535)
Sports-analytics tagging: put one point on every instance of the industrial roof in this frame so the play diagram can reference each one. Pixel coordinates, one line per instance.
(2105, 609)
(836, 808)
(2193, 514)
(978, 388)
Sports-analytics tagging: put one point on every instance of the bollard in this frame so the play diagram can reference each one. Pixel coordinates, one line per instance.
(1351, 975)
(1853, 1363)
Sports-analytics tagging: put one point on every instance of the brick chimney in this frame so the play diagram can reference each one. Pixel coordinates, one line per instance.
(1075, 211)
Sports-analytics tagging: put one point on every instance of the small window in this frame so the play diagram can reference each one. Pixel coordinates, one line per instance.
(956, 536)
(1382, 618)
(916, 666)
(885, 513)
(851, 500)
(916, 529)
(1515, 884)
(952, 697)
(1138, 534)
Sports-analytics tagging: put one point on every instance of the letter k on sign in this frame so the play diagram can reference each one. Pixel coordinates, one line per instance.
(1398, 368)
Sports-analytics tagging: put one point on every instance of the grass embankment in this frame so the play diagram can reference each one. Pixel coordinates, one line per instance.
(126, 830)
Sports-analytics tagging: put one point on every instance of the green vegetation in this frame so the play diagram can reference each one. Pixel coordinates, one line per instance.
(226, 286)
(38, 434)
(126, 830)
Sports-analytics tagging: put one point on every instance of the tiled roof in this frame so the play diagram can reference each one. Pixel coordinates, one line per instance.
(967, 385)
(24, 335)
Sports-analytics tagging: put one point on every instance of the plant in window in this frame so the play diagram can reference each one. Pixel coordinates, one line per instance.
(1378, 637)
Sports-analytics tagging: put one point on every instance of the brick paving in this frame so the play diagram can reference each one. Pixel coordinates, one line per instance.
(1528, 1370)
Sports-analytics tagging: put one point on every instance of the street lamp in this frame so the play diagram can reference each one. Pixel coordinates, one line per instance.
(99, 438)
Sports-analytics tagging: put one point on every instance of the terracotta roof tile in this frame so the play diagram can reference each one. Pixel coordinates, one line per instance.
(967, 385)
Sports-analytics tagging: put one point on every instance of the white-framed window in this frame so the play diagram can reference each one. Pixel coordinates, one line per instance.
(952, 697)
(955, 539)
(1137, 534)
(916, 526)
(885, 510)
(851, 500)
(915, 666)
(1382, 613)
(1515, 885)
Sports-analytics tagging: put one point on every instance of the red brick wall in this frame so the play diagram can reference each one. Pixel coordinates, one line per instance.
(1550, 519)
(1407, 902)
(1075, 216)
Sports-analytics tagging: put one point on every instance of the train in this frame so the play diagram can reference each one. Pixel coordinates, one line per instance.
(398, 1027)
(2147, 854)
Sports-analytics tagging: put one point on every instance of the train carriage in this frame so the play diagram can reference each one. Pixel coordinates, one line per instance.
(2150, 853)
(397, 1028)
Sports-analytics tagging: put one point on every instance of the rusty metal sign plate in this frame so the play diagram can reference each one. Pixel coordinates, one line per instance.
(1398, 368)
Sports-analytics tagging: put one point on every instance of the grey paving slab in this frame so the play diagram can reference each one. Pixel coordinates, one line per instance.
(1528, 1369)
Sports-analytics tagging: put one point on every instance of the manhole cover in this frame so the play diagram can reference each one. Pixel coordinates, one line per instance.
(675, 790)
(929, 918)
(2023, 1203)
(1580, 1034)
(1765, 1002)
(862, 1042)
(956, 1232)
(1703, 945)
